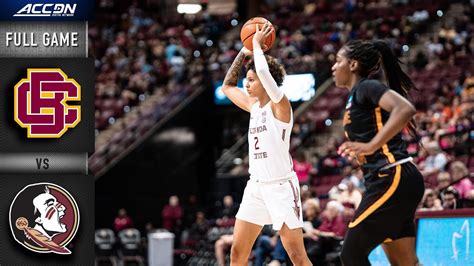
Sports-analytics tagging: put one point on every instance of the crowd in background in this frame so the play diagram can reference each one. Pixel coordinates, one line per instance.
(310, 34)
(142, 54)
(146, 65)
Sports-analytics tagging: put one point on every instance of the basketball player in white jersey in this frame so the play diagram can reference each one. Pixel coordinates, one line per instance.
(272, 195)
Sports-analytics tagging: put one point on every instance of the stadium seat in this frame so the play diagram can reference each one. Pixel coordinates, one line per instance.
(130, 245)
(104, 246)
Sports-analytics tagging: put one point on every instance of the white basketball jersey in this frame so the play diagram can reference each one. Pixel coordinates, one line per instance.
(269, 144)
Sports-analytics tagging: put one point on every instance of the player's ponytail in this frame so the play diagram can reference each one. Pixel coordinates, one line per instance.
(396, 78)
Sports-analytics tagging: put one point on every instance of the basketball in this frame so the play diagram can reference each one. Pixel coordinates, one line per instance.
(248, 30)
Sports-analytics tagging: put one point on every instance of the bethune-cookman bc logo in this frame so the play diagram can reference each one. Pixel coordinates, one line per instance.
(47, 10)
(44, 218)
(41, 103)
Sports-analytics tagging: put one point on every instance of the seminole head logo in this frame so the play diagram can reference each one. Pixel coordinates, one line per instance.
(41, 103)
(44, 218)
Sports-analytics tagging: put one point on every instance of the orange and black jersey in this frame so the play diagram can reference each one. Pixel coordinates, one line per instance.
(363, 118)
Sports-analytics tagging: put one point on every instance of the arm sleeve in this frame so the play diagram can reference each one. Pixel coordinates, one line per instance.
(263, 73)
(370, 92)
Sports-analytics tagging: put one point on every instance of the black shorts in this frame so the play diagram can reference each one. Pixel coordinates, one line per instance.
(386, 211)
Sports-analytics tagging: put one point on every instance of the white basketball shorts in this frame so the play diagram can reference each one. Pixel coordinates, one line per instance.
(275, 202)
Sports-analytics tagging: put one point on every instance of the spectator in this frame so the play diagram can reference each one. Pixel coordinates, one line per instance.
(172, 214)
(306, 193)
(436, 160)
(347, 175)
(269, 243)
(450, 199)
(459, 173)
(177, 63)
(336, 191)
(358, 175)
(328, 235)
(351, 174)
(311, 219)
(149, 229)
(444, 179)
(122, 221)
(430, 201)
(229, 208)
(199, 228)
(350, 195)
(332, 224)
(222, 246)
(331, 163)
(302, 167)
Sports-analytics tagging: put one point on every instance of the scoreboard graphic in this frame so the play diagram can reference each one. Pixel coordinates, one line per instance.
(46, 133)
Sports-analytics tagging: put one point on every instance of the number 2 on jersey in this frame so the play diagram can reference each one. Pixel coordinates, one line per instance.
(256, 143)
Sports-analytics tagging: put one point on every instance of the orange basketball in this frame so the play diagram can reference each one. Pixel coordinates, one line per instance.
(248, 30)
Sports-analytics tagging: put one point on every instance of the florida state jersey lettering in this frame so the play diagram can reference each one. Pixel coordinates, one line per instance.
(269, 144)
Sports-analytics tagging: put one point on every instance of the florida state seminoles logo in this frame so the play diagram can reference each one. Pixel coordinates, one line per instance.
(40, 103)
(44, 218)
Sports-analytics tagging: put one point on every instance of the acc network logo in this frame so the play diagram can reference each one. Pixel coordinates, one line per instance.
(47, 10)
(44, 218)
(40, 103)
